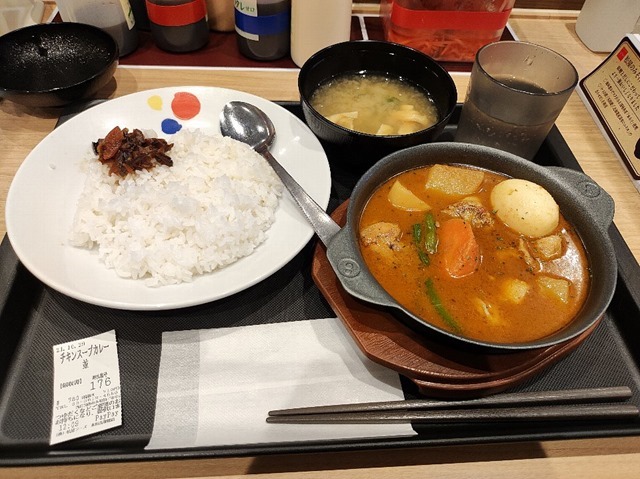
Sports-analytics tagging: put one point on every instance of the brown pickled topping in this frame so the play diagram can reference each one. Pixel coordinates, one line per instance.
(126, 152)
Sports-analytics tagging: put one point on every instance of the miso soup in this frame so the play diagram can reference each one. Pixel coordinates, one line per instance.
(375, 104)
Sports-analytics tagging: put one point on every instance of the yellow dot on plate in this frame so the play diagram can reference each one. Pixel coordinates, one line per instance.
(155, 102)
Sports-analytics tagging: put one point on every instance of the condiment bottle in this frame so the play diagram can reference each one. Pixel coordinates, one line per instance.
(221, 15)
(178, 25)
(113, 16)
(316, 25)
(263, 28)
(139, 8)
(602, 24)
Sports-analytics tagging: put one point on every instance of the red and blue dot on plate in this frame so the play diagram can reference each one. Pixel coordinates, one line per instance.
(184, 106)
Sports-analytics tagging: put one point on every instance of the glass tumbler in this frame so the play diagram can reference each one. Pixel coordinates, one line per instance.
(515, 94)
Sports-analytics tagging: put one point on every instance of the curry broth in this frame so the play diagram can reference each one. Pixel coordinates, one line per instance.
(476, 302)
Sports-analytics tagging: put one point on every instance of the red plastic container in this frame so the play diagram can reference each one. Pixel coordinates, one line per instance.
(447, 30)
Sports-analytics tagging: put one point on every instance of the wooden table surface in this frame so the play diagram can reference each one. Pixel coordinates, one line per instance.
(22, 128)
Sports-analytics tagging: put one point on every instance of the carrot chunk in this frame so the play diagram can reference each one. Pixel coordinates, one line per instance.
(459, 249)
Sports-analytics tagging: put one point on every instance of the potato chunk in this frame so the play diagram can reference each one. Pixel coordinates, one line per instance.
(548, 248)
(554, 287)
(525, 207)
(453, 180)
(515, 290)
(401, 197)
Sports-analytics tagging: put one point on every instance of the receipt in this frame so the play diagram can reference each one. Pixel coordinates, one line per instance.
(86, 387)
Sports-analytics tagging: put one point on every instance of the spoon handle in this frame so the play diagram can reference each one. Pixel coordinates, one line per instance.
(322, 223)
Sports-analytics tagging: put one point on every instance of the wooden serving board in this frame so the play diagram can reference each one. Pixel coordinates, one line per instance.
(438, 368)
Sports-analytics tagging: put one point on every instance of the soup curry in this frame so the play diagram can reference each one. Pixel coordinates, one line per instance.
(475, 253)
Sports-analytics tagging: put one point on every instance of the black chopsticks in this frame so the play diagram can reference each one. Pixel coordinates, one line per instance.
(572, 404)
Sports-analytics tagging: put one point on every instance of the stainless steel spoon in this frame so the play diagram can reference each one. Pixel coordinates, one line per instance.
(247, 123)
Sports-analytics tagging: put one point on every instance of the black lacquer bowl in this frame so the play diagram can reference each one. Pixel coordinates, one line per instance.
(382, 58)
(55, 64)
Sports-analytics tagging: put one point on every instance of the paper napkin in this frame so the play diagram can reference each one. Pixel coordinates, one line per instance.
(216, 386)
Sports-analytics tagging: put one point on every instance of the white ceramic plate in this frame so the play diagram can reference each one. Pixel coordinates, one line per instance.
(42, 199)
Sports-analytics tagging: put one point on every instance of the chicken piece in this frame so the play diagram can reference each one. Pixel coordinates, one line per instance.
(470, 211)
(532, 262)
(547, 248)
(488, 311)
(382, 234)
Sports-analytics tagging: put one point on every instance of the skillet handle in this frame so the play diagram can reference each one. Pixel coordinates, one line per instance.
(349, 267)
(589, 194)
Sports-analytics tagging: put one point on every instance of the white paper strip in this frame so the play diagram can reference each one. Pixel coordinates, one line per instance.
(245, 372)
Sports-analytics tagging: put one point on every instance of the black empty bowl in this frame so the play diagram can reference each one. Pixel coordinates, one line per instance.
(380, 58)
(55, 64)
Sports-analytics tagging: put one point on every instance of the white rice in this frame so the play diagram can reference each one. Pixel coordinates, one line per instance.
(167, 225)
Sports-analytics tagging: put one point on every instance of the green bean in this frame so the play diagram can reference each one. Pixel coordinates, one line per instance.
(417, 240)
(425, 238)
(439, 307)
(430, 237)
(417, 233)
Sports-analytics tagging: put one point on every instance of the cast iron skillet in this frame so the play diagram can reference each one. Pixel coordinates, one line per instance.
(582, 202)
(55, 64)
